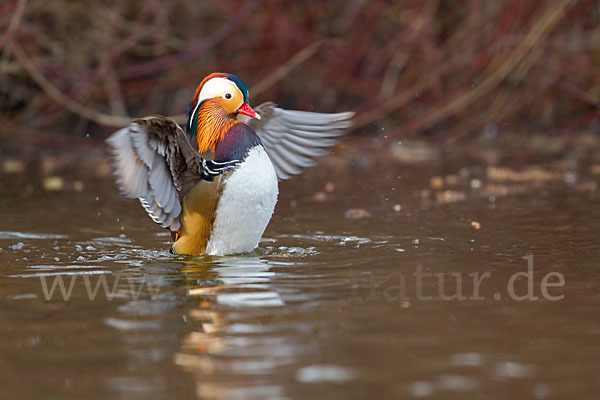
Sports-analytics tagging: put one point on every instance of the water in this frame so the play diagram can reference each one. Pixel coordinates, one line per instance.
(328, 307)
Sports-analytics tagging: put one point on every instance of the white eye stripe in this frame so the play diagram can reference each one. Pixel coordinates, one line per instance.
(217, 87)
(194, 113)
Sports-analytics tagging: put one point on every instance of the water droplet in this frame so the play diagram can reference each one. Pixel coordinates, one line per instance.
(17, 246)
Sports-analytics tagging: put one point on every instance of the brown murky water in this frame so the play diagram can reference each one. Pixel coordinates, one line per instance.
(329, 307)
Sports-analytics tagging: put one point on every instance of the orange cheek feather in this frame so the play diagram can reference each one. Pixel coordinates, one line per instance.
(213, 124)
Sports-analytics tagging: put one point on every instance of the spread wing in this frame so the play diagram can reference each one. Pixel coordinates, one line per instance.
(154, 161)
(293, 138)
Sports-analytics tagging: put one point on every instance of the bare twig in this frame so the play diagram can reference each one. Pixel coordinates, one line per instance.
(161, 64)
(58, 96)
(542, 28)
(283, 70)
(6, 41)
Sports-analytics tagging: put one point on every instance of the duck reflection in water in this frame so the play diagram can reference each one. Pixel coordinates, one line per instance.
(228, 340)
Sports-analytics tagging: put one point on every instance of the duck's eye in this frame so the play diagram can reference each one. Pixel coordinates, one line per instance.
(228, 96)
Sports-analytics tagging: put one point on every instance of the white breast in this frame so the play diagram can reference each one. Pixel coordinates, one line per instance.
(246, 205)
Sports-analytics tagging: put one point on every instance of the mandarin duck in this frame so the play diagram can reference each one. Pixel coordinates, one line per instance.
(218, 206)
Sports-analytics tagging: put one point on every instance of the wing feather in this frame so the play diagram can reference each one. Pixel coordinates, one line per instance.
(150, 158)
(293, 138)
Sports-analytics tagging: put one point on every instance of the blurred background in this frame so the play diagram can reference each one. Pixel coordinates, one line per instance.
(443, 71)
(476, 145)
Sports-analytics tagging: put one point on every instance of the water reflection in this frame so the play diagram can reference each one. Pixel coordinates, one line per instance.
(226, 343)
(241, 282)
(222, 303)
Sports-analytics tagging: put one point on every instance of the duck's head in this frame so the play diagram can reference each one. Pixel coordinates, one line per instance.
(213, 110)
